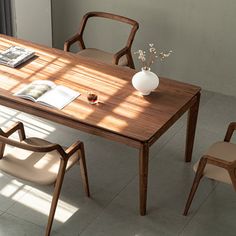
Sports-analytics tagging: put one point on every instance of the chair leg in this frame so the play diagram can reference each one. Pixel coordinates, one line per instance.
(83, 170)
(196, 182)
(2, 148)
(56, 194)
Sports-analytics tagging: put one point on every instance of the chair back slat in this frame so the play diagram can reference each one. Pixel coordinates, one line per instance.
(35, 148)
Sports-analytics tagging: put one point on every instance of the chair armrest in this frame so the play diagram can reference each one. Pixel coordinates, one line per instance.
(218, 162)
(18, 126)
(230, 130)
(119, 54)
(73, 148)
(72, 40)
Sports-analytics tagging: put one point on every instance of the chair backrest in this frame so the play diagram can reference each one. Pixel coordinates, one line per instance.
(111, 16)
(46, 148)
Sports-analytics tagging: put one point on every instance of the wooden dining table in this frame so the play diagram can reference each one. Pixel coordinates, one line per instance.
(122, 114)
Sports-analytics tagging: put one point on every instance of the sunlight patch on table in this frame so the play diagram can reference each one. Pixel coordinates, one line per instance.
(8, 83)
(113, 121)
(104, 77)
(130, 113)
(79, 110)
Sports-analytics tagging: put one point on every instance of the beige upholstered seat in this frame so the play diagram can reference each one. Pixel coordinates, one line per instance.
(102, 56)
(123, 57)
(218, 163)
(222, 150)
(39, 161)
(37, 167)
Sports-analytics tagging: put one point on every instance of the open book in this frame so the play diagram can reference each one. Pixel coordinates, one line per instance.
(15, 55)
(48, 93)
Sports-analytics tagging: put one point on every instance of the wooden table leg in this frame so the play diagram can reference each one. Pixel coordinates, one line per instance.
(143, 176)
(191, 128)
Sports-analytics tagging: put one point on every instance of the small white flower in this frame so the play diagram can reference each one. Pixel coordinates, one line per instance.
(148, 61)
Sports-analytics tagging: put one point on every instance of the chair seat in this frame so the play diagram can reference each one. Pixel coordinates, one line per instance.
(102, 56)
(30, 166)
(222, 150)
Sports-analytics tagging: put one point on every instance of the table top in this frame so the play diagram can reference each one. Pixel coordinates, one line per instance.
(122, 110)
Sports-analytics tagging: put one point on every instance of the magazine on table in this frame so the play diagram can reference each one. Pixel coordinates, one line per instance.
(15, 56)
(48, 93)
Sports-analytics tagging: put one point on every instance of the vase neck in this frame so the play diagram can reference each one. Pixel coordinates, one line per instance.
(146, 68)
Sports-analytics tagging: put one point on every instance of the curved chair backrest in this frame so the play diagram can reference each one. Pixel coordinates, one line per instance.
(111, 16)
(47, 148)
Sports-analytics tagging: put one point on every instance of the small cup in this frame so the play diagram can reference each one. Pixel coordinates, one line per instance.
(92, 97)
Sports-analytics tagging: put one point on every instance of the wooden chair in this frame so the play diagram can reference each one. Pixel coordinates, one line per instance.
(41, 162)
(122, 57)
(219, 163)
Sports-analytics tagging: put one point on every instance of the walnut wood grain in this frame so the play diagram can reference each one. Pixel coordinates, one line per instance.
(122, 114)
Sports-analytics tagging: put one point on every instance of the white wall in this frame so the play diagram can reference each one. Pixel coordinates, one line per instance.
(201, 33)
(32, 20)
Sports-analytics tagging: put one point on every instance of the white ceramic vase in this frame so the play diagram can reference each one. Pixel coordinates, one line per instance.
(145, 81)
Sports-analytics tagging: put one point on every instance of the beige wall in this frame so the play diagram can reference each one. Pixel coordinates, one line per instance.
(201, 33)
(32, 20)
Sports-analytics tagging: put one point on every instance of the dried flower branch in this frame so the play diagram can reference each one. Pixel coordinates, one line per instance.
(148, 61)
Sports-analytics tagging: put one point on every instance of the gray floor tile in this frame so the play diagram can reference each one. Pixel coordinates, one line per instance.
(74, 210)
(206, 96)
(10, 190)
(116, 220)
(216, 216)
(13, 226)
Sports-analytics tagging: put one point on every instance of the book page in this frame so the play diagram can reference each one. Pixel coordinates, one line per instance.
(58, 97)
(36, 89)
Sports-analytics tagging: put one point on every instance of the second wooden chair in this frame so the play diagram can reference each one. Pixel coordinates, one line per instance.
(123, 57)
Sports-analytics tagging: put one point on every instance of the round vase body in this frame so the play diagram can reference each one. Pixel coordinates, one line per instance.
(145, 81)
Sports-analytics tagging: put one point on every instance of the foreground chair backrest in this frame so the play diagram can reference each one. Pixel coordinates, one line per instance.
(39, 161)
(218, 163)
(123, 57)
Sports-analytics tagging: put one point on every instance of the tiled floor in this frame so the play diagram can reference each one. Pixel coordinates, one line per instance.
(113, 175)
